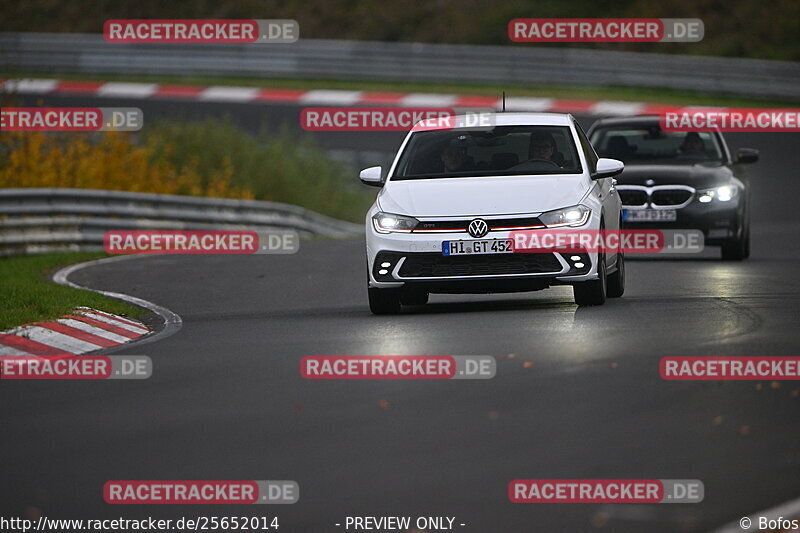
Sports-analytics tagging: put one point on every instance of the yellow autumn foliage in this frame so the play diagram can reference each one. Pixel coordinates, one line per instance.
(110, 161)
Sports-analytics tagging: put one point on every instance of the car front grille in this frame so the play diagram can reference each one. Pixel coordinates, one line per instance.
(670, 197)
(497, 224)
(676, 196)
(633, 197)
(422, 265)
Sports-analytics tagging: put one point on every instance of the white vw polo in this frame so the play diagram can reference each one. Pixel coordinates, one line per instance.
(443, 219)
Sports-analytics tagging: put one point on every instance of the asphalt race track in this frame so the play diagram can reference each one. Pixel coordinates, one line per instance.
(577, 392)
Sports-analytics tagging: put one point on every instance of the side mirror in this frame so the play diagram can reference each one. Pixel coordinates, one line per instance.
(371, 176)
(607, 168)
(747, 155)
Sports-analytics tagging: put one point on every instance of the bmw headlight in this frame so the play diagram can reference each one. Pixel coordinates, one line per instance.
(569, 216)
(389, 223)
(726, 193)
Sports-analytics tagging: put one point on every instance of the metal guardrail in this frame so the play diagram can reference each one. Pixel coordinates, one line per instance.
(366, 60)
(43, 220)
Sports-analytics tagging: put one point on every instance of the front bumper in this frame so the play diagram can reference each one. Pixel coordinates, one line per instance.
(719, 221)
(408, 259)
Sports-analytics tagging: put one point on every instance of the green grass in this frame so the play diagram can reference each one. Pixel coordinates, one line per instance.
(635, 94)
(28, 295)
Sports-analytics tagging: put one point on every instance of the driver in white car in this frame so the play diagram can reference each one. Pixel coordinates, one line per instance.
(543, 146)
(455, 158)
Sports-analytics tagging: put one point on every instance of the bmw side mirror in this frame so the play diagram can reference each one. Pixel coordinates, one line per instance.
(371, 176)
(747, 155)
(607, 168)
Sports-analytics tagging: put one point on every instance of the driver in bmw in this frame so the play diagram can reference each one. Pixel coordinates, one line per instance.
(692, 144)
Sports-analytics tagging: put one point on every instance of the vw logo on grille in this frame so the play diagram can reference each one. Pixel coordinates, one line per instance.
(478, 228)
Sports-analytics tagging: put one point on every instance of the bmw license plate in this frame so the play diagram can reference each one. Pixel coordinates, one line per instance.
(649, 215)
(489, 246)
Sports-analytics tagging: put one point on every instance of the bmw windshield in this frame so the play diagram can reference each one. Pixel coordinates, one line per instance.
(499, 151)
(650, 144)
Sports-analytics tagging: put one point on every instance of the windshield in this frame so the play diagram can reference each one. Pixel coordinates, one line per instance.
(499, 151)
(649, 143)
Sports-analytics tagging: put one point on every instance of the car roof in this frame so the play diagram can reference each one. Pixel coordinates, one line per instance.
(514, 119)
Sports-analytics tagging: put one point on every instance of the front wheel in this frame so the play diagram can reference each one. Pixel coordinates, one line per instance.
(384, 301)
(738, 249)
(616, 281)
(592, 292)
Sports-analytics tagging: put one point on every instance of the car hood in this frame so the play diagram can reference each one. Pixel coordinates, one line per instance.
(482, 196)
(697, 176)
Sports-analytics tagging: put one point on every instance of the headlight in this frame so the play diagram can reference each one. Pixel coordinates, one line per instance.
(569, 216)
(389, 223)
(726, 193)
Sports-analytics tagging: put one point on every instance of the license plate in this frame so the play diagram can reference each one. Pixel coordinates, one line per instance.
(649, 215)
(490, 246)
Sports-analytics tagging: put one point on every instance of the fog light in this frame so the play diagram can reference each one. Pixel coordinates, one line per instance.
(578, 265)
(386, 265)
(383, 271)
(576, 258)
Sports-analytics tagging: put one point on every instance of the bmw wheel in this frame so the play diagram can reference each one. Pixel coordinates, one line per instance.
(738, 249)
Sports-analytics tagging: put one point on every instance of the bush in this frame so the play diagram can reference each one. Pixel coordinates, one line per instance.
(281, 168)
(209, 158)
(103, 161)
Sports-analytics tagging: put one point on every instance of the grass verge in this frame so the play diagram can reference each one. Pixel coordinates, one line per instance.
(28, 295)
(633, 94)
